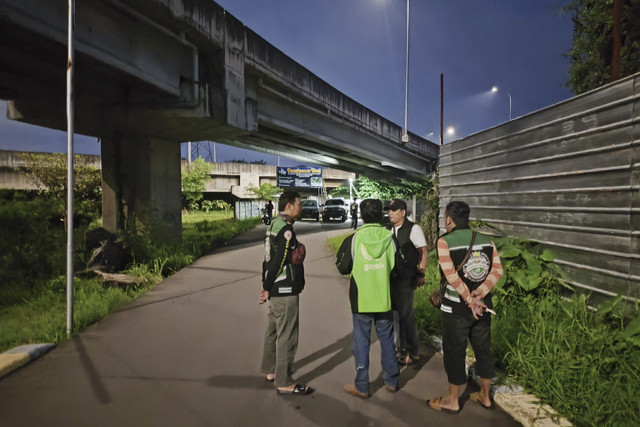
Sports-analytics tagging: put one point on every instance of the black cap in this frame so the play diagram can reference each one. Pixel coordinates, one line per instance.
(396, 204)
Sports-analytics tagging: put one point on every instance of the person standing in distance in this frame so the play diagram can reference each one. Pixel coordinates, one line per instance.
(354, 214)
(465, 305)
(269, 209)
(408, 276)
(369, 256)
(282, 282)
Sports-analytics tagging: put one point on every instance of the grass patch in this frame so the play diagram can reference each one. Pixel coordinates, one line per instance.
(38, 314)
(584, 363)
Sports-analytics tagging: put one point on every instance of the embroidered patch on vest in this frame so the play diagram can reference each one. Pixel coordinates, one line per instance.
(477, 266)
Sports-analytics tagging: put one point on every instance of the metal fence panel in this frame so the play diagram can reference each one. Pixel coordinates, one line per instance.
(567, 177)
(246, 209)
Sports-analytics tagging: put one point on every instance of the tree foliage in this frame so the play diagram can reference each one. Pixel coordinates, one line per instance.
(387, 189)
(194, 181)
(48, 172)
(266, 191)
(592, 53)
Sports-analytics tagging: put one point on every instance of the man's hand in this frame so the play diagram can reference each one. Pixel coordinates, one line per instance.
(420, 279)
(264, 296)
(477, 306)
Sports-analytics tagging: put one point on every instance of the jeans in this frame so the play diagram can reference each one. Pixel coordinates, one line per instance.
(362, 342)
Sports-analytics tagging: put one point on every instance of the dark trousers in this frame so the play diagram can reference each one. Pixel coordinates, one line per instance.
(406, 332)
(457, 331)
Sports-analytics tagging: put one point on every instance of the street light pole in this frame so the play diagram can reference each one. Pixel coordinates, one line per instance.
(405, 135)
(495, 89)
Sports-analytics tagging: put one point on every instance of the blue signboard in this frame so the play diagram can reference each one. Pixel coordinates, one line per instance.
(301, 177)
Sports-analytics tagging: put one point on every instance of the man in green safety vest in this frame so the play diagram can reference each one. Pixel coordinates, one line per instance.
(369, 256)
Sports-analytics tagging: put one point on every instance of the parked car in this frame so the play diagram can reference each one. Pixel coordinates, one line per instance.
(335, 209)
(310, 209)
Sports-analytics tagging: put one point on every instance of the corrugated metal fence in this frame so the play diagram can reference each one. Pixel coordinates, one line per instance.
(565, 176)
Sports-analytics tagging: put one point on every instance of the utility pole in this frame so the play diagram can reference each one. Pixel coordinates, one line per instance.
(615, 61)
(441, 108)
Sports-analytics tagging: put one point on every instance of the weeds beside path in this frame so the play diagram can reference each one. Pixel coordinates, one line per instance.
(36, 313)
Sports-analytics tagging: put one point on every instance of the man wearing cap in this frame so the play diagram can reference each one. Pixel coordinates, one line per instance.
(409, 275)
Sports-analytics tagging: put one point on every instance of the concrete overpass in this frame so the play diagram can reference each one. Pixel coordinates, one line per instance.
(228, 180)
(153, 73)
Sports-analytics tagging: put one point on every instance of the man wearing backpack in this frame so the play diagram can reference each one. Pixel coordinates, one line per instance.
(408, 276)
(282, 282)
(369, 256)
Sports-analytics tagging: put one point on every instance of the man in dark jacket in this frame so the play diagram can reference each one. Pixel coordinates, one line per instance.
(369, 256)
(408, 275)
(282, 282)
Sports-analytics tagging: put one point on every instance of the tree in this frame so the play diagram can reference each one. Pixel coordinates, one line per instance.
(266, 191)
(592, 53)
(194, 182)
(387, 189)
(48, 172)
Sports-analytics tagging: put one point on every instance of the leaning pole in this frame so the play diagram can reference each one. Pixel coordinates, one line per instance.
(70, 110)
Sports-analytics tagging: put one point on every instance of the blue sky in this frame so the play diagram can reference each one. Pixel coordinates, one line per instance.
(358, 46)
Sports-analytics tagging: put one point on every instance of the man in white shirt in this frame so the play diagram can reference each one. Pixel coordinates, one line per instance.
(408, 276)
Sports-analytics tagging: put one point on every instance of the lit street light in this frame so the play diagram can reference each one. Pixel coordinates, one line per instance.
(494, 90)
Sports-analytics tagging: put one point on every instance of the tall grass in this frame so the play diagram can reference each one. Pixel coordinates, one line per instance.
(583, 362)
(38, 314)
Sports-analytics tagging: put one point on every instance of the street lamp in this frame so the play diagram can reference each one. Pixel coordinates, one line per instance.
(495, 89)
(405, 136)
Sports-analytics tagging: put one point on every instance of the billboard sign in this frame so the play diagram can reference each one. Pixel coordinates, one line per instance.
(301, 177)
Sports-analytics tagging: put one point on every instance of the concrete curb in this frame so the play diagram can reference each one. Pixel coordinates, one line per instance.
(19, 356)
(511, 398)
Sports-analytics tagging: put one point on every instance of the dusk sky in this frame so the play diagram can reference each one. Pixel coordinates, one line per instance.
(358, 46)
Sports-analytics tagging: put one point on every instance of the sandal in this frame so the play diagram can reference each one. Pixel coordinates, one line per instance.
(435, 404)
(298, 390)
(476, 398)
(269, 378)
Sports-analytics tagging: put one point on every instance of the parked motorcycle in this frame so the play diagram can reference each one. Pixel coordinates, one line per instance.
(266, 218)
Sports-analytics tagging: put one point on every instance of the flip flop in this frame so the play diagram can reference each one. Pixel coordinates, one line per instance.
(298, 390)
(435, 404)
(270, 379)
(476, 398)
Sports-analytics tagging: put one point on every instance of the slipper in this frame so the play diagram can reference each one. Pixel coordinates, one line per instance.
(351, 389)
(270, 379)
(435, 404)
(406, 360)
(476, 398)
(298, 390)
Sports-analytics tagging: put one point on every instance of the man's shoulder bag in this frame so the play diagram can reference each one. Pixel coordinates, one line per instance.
(436, 296)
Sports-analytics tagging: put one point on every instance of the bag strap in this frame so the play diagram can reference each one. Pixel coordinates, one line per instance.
(466, 257)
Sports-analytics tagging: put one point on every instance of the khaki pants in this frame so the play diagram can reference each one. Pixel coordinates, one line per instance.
(281, 339)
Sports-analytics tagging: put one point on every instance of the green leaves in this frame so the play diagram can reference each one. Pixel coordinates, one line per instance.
(194, 182)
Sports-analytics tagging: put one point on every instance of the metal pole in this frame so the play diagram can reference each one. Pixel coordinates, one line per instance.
(615, 63)
(441, 108)
(70, 110)
(405, 135)
(509, 105)
(189, 156)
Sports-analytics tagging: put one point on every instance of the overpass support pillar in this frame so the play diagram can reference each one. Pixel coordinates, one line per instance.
(141, 186)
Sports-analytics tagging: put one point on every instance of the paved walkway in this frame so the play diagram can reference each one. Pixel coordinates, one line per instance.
(188, 354)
